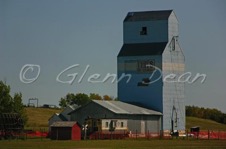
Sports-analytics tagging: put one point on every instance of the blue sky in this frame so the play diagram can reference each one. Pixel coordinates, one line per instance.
(56, 34)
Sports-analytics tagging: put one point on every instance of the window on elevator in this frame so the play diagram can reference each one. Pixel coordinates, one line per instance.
(144, 31)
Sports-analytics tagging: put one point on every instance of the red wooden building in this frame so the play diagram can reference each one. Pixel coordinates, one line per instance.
(65, 130)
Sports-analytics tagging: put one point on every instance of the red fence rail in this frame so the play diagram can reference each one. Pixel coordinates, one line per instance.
(101, 136)
(209, 134)
(37, 134)
(203, 134)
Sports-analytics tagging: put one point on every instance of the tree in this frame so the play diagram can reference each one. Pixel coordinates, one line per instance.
(81, 99)
(17, 103)
(94, 96)
(9, 104)
(71, 99)
(67, 100)
(18, 106)
(116, 99)
(5, 98)
(206, 113)
(106, 97)
(188, 111)
(63, 103)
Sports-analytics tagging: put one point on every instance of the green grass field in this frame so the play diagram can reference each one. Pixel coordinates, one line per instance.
(38, 117)
(111, 144)
(204, 124)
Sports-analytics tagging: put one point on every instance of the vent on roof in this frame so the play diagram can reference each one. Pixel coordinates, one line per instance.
(130, 14)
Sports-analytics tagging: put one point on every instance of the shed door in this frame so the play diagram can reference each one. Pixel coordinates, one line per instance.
(142, 127)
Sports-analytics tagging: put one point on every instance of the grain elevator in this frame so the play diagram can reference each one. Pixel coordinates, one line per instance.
(152, 62)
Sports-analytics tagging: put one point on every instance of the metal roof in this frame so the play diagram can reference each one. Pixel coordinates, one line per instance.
(119, 107)
(148, 15)
(62, 117)
(73, 107)
(64, 124)
(141, 49)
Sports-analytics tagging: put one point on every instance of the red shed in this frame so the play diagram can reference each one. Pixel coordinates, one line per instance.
(65, 130)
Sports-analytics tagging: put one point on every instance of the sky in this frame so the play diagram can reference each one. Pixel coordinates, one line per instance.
(56, 34)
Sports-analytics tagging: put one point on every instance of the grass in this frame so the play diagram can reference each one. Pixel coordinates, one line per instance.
(111, 144)
(38, 117)
(204, 124)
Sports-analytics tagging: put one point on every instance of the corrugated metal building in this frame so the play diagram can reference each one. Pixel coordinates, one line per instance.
(151, 54)
(139, 119)
(106, 126)
(63, 116)
(65, 131)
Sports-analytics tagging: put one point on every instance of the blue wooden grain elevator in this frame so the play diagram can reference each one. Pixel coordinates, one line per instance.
(153, 65)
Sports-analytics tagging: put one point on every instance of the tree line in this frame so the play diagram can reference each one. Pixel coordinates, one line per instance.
(81, 99)
(206, 113)
(11, 104)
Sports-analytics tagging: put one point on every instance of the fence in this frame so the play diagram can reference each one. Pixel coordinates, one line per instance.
(36, 134)
(25, 134)
(204, 134)
(110, 135)
(124, 135)
(150, 135)
(208, 134)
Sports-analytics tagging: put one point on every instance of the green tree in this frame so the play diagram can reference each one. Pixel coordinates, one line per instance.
(188, 111)
(71, 99)
(67, 100)
(81, 99)
(5, 98)
(116, 99)
(63, 103)
(18, 106)
(206, 113)
(9, 104)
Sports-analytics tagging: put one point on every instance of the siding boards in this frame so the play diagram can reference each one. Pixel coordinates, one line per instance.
(151, 122)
